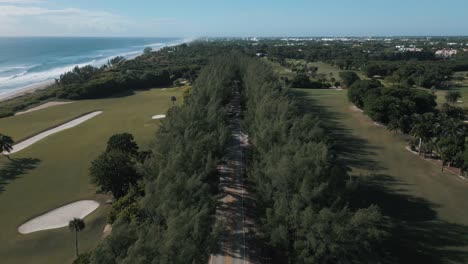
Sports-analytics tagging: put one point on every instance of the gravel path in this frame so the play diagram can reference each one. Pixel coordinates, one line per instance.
(59, 217)
(28, 142)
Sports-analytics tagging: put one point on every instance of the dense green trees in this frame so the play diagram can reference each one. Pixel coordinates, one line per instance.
(348, 78)
(175, 222)
(123, 142)
(300, 189)
(391, 106)
(452, 96)
(76, 225)
(359, 90)
(424, 75)
(439, 133)
(114, 171)
(298, 182)
(147, 50)
(303, 81)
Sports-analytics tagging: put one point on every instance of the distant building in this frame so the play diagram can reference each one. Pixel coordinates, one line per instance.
(446, 53)
(410, 48)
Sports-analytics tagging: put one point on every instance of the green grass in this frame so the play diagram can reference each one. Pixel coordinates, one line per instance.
(458, 85)
(326, 69)
(280, 70)
(54, 171)
(428, 209)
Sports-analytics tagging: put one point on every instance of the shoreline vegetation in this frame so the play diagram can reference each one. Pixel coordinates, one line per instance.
(36, 94)
(24, 91)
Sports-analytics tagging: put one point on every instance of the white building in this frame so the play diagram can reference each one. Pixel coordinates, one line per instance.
(446, 53)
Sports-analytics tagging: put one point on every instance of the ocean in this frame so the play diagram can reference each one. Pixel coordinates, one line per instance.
(26, 61)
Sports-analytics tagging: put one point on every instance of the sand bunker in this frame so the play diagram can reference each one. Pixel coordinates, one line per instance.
(158, 117)
(43, 106)
(28, 142)
(59, 217)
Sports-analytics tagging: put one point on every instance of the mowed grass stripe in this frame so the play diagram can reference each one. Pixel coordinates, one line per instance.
(54, 171)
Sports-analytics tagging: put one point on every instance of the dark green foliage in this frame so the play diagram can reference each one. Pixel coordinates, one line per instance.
(125, 208)
(391, 106)
(421, 74)
(298, 182)
(78, 75)
(76, 225)
(339, 237)
(181, 181)
(359, 90)
(379, 69)
(147, 50)
(303, 81)
(6, 143)
(6, 113)
(452, 96)
(348, 78)
(123, 142)
(114, 172)
(453, 111)
(83, 258)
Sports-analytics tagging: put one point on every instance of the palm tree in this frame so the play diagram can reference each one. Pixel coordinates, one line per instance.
(173, 99)
(393, 126)
(6, 144)
(453, 96)
(421, 129)
(76, 225)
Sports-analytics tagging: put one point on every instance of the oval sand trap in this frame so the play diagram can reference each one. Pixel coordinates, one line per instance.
(28, 142)
(59, 217)
(158, 117)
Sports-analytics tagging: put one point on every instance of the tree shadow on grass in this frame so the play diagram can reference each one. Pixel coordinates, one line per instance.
(353, 151)
(14, 168)
(415, 234)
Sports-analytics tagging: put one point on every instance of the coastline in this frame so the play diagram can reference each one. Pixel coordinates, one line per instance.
(46, 84)
(25, 90)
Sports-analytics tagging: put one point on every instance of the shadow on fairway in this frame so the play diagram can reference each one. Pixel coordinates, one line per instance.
(353, 151)
(415, 233)
(14, 168)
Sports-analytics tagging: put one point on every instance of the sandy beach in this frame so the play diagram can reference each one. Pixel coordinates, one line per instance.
(25, 90)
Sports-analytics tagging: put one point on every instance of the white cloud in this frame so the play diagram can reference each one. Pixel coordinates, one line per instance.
(27, 20)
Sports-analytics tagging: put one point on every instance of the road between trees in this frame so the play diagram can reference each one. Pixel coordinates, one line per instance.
(233, 245)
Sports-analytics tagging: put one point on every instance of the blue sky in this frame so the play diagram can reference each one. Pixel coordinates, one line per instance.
(193, 18)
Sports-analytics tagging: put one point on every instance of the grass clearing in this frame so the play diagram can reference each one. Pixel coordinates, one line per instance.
(429, 209)
(326, 69)
(54, 171)
(460, 84)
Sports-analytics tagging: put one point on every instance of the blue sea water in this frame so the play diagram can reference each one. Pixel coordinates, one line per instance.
(26, 61)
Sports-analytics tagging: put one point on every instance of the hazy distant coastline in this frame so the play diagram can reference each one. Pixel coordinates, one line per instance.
(14, 84)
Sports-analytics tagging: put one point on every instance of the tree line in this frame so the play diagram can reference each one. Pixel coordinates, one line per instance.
(167, 215)
(437, 133)
(163, 68)
(300, 189)
(165, 211)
